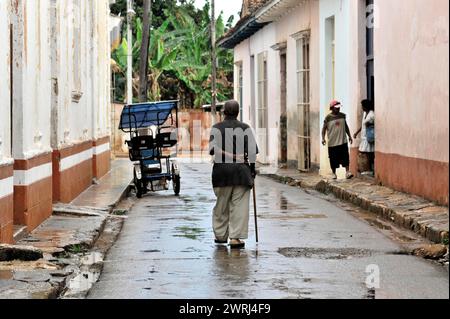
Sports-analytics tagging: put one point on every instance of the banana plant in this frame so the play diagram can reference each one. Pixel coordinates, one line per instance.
(181, 46)
(193, 65)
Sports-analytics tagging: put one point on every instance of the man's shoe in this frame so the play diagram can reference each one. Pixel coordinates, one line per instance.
(221, 242)
(237, 244)
(349, 175)
(334, 176)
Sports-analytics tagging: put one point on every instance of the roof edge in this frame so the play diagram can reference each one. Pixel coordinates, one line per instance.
(243, 32)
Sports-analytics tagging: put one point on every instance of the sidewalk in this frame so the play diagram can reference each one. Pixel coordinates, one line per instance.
(407, 211)
(43, 263)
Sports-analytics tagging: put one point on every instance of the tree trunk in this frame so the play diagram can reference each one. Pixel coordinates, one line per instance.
(143, 64)
(213, 60)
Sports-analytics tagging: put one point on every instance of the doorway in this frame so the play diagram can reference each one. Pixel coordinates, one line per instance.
(304, 101)
(369, 51)
(283, 111)
(262, 127)
(253, 92)
(370, 61)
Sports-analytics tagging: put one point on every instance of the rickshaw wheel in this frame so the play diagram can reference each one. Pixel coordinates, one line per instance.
(176, 181)
(176, 184)
(138, 185)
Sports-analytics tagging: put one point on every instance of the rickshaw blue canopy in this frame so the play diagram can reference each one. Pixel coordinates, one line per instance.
(142, 115)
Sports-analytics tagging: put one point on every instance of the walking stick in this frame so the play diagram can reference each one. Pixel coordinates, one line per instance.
(256, 215)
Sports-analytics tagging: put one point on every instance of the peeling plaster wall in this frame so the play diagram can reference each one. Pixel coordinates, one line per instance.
(102, 125)
(5, 62)
(32, 78)
(81, 66)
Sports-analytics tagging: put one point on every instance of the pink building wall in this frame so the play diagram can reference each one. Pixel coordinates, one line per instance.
(412, 99)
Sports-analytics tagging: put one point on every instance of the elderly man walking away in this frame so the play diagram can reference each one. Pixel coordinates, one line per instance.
(234, 148)
(336, 126)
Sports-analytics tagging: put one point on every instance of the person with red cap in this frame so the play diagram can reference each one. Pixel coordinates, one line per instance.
(336, 127)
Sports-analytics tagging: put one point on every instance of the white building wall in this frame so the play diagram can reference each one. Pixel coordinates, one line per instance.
(5, 93)
(303, 17)
(259, 43)
(87, 118)
(340, 10)
(103, 76)
(242, 55)
(32, 79)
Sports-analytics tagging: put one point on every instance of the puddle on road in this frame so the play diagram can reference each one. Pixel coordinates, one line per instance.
(280, 204)
(162, 207)
(301, 216)
(324, 253)
(205, 199)
(285, 205)
(189, 219)
(191, 250)
(189, 232)
(313, 216)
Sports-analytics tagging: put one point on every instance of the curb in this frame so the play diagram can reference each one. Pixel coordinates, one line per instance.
(122, 196)
(426, 219)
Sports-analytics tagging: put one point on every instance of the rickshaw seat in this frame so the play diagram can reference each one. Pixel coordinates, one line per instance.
(142, 142)
(165, 140)
(151, 156)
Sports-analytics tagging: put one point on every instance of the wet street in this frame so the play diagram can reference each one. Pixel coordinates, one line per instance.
(309, 248)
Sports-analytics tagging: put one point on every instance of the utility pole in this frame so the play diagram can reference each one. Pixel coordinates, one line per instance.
(143, 64)
(130, 15)
(213, 61)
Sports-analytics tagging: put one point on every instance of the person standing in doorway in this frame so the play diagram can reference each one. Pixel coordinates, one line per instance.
(233, 145)
(336, 127)
(367, 130)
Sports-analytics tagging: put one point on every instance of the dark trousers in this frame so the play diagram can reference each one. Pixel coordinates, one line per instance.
(339, 155)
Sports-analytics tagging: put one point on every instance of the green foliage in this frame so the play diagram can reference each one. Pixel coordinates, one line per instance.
(193, 65)
(120, 212)
(77, 249)
(179, 51)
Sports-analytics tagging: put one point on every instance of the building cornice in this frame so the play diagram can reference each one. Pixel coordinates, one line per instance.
(249, 25)
(275, 9)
